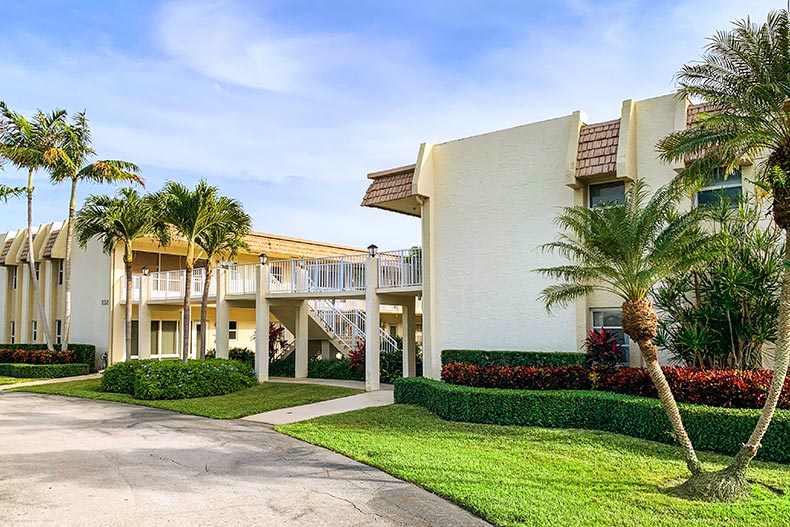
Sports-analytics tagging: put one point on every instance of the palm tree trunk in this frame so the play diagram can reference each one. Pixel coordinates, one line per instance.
(204, 311)
(640, 322)
(186, 319)
(781, 359)
(67, 268)
(128, 306)
(31, 261)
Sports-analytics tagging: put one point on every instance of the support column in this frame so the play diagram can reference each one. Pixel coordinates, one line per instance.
(409, 338)
(302, 340)
(222, 316)
(6, 308)
(48, 284)
(372, 316)
(262, 323)
(25, 287)
(144, 319)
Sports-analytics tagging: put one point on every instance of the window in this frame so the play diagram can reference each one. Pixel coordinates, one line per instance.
(232, 329)
(13, 332)
(276, 272)
(729, 189)
(38, 270)
(393, 331)
(612, 321)
(58, 331)
(602, 193)
(34, 327)
(60, 272)
(14, 275)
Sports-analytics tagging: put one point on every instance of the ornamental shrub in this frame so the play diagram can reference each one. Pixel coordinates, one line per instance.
(43, 371)
(86, 353)
(717, 429)
(37, 356)
(722, 388)
(171, 379)
(514, 358)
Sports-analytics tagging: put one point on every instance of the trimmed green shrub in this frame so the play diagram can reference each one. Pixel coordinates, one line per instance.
(195, 378)
(43, 371)
(86, 353)
(119, 378)
(391, 368)
(717, 429)
(514, 358)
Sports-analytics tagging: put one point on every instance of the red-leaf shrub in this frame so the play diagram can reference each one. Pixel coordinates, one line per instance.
(357, 356)
(722, 388)
(521, 377)
(42, 356)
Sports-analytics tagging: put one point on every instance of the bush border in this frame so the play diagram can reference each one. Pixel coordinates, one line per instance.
(513, 358)
(716, 429)
(44, 371)
(86, 353)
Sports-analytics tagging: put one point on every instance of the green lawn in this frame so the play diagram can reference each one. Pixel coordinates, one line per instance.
(261, 398)
(520, 476)
(14, 380)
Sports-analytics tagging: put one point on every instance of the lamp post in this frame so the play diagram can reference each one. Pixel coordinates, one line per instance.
(145, 271)
(372, 250)
(263, 258)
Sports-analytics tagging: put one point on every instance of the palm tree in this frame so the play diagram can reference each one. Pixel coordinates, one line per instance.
(121, 219)
(626, 249)
(73, 166)
(222, 241)
(31, 145)
(191, 214)
(744, 78)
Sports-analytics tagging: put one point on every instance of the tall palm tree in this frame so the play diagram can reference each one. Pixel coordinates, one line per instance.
(221, 241)
(31, 145)
(626, 249)
(190, 214)
(744, 76)
(73, 166)
(119, 220)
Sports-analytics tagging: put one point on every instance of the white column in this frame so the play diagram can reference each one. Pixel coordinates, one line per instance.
(25, 288)
(372, 315)
(302, 340)
(326, 350)
(48, 288)
(431, 355)
(144, 319)
(262, 323)
(409, 338)
(5, 308)
(222, 316)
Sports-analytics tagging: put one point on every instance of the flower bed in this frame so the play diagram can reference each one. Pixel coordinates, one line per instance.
(38, 356)
(722, 388)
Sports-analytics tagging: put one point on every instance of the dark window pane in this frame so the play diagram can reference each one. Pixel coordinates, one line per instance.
(707, 197)
(607, 193)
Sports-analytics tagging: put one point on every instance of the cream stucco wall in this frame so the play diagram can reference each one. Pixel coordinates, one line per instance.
(91, 297)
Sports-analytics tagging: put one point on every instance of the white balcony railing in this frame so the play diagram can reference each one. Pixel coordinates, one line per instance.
(136, 283)
(241, 279)
(169, 285)
(333, 273)
(400, 268)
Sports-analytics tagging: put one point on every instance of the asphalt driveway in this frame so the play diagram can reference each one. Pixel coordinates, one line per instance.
(76, 462)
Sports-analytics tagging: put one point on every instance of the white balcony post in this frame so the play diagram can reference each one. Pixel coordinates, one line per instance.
(223, 315)
(409, 338)
(302, 341)
(373, 315)
(144, 319)
(262, 323)
(5, 317)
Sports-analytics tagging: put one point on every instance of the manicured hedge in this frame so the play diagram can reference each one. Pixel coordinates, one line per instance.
(43, 371)
(513, 358)
(171, 379)
(39, 356)
(717, 429)
(391, 368)
(86, 353)
(724, 388)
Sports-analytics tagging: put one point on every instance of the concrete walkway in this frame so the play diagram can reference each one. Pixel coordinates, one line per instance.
(50, 381)
(285, 416)
(77, 462)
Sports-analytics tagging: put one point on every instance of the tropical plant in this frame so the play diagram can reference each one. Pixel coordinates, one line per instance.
(601, 348)
(743, 77)
(31, 145)
(119, 220)
(222, 240)
(626, 249)
(720, 316)
(72, 165)
(191, 214)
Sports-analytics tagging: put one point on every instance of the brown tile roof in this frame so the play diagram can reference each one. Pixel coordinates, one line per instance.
(24, 251)
(389, 185)
(296, 248)
(6, 250)
(597, 153)
(695, 109)
(53, 236)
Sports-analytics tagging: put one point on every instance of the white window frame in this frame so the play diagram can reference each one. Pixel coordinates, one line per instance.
(14, 275)
(37, 267)
(34, 330)
(58, 331)
(13, 332)
(730, 182)
(233, 329)
(589, 190)
(61, 272)
(603, 311)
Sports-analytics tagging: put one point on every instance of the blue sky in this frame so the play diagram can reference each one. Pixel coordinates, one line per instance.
(287, 105)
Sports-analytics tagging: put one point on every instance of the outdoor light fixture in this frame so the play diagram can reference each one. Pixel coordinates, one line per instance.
(145, 271)
(372, 249)
(224, 264)
(263, 258)
(339, 356)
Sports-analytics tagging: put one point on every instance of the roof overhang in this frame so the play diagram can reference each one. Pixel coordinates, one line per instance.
(393, 190)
